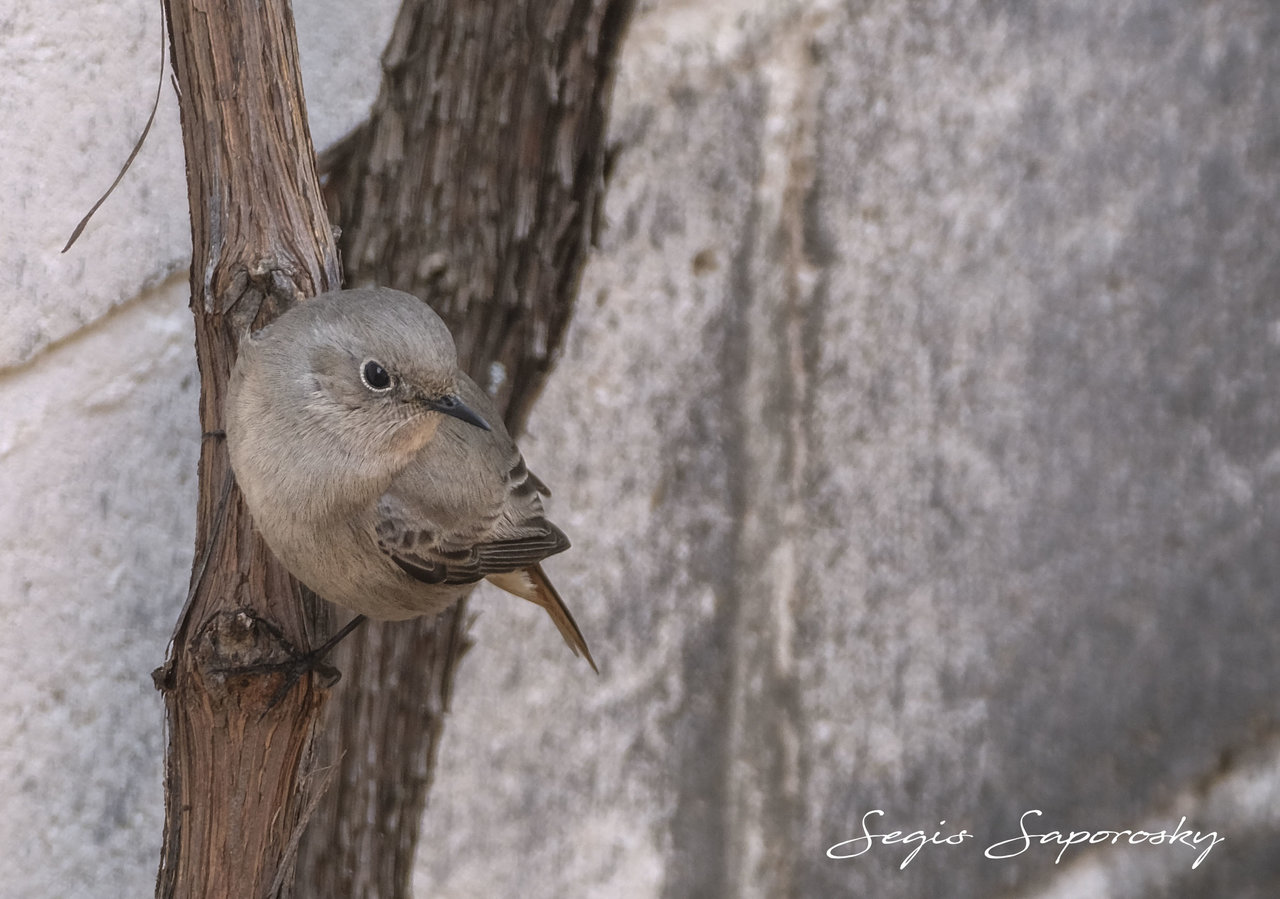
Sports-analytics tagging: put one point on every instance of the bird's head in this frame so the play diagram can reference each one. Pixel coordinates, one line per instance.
(379, 370)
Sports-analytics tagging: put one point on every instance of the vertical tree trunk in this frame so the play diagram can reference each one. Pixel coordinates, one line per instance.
(238, 773)
(475, 184)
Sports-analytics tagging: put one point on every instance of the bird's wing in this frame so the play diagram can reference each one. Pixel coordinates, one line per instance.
(435, 556)
(467, 507)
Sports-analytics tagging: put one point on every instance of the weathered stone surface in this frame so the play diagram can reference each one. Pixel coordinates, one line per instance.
(917, 435)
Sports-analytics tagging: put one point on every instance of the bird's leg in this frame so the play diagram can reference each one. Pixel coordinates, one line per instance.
(314, 660)
(327, 646)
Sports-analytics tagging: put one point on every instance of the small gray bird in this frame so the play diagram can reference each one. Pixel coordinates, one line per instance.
(377, 471)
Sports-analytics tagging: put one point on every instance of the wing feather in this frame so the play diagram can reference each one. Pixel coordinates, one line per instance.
(467, 507)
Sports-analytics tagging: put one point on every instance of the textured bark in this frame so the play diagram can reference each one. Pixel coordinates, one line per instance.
(238, 770)
(474, 184)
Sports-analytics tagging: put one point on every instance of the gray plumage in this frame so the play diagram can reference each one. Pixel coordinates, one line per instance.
(379, 473)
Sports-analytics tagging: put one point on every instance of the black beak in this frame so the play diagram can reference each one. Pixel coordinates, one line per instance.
(451, 405)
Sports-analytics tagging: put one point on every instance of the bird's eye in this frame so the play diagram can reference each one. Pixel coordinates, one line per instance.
(375, 377)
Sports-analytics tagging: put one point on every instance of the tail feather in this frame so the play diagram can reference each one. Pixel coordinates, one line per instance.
(532, 584)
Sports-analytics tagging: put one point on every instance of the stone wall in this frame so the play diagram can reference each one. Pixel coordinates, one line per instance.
(916, 432)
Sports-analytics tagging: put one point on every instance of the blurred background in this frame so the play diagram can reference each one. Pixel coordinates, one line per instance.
(917, 432)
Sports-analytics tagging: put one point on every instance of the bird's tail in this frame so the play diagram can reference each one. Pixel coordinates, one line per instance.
(532, 584)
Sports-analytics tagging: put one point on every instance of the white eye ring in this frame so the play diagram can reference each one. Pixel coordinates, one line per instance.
(374, 376)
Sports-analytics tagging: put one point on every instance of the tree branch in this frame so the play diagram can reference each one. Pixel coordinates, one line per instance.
(238, 772)
(475, 185)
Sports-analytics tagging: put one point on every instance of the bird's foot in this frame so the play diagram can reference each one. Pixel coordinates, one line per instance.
(294, 668)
